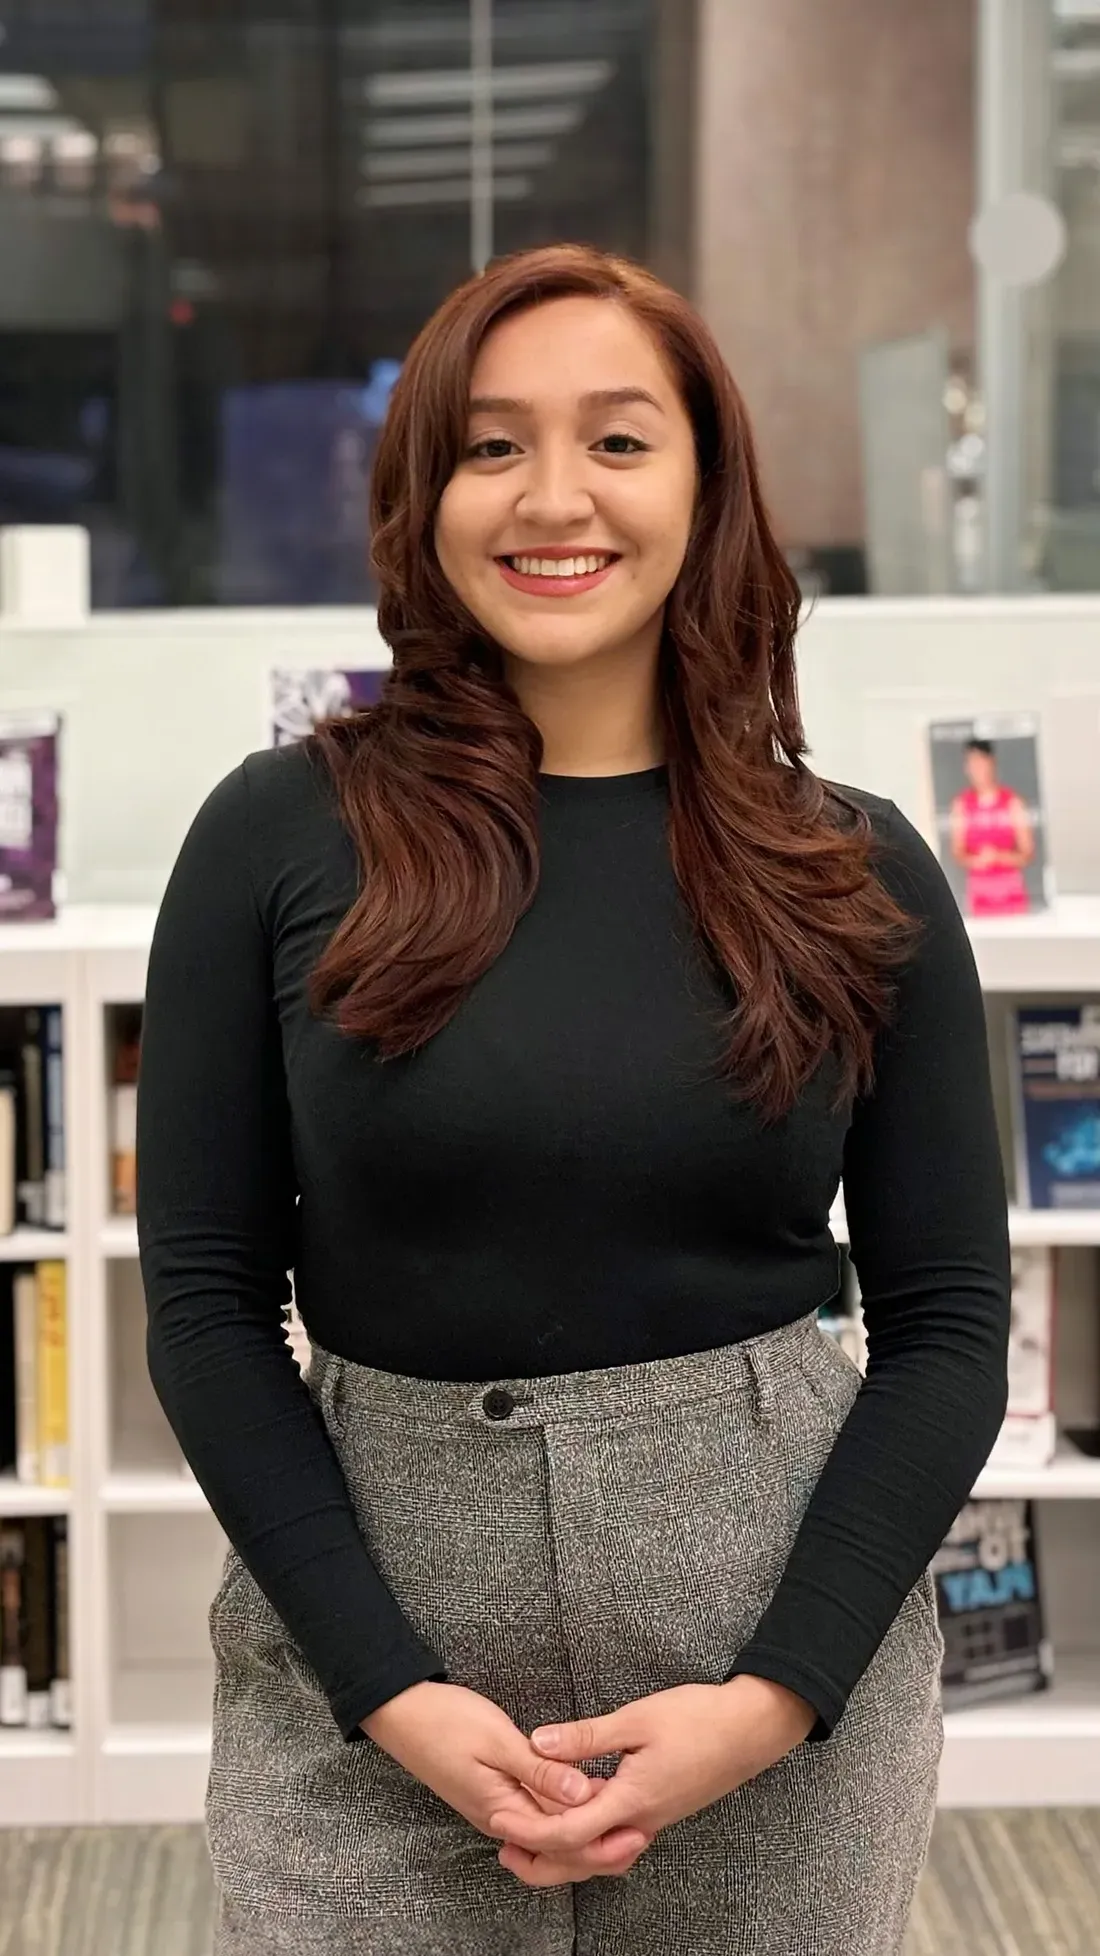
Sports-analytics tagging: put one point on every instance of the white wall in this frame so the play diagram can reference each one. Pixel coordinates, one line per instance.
(157, 707)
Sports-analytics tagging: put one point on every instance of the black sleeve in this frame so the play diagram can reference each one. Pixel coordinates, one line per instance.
(216, 1225)
(928, 1225)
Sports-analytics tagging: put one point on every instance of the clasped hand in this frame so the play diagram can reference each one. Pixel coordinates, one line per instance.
(681, 1750)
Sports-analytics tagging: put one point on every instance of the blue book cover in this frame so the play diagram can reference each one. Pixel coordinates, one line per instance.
(1056, 1093)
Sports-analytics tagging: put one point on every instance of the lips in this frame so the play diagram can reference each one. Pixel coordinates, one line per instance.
(557, 576)
(582, 563)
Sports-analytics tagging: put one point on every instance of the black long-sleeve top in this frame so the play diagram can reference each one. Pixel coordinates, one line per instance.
(559, 1180)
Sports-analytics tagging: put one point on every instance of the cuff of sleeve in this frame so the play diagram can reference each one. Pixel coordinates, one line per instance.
(351, 1707)
(757, 1660)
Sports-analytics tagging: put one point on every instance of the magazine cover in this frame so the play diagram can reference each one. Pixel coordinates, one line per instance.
(28, 815)
(1028, 1436)
(299, 699)
(1055, 1077)
(989, 816)
(990, 1605)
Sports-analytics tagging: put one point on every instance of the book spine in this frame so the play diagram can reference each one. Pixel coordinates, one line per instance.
(61, 1690)
(55, 1194)
(53, 1374)
(13, 1670)
(37, 1650)
(27, 1461)
(124, 1148)
(33, 1187)
(8, 1126)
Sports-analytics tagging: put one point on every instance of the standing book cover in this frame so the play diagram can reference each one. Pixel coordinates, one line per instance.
(29, 815)
(989, 815)
(1055, 1081)
(990, 1605)
(300, 698)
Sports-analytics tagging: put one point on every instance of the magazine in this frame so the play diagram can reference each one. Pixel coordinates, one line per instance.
(28, 815)
(299, 699)
(1055, 1079)
(989, 816)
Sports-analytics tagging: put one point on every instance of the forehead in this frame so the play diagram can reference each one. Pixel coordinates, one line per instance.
(568, 347)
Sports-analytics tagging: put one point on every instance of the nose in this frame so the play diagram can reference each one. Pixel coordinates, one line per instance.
(554, 493)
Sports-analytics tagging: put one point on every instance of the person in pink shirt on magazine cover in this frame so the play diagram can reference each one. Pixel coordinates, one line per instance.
(992, 837)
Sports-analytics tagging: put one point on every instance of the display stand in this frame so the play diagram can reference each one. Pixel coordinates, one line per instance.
(145, 1550)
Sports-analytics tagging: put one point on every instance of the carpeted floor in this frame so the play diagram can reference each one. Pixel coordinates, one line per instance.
(1007, 1883)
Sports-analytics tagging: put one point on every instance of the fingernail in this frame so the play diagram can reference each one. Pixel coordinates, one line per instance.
(547, 1739)
(576, 1788)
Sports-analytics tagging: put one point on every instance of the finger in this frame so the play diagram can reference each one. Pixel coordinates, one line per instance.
(586, 1738)
(613, 1805)
(614, 1854)
(551, 1779)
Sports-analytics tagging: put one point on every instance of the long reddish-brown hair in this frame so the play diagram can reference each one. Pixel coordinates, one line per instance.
(437, 783)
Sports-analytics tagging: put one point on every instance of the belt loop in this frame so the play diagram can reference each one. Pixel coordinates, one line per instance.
(763, 1385)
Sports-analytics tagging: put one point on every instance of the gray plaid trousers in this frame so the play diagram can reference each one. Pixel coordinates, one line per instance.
(616, 1533)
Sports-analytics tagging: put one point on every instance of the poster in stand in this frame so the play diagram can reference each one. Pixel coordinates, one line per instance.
(29, 815)
(298, 699)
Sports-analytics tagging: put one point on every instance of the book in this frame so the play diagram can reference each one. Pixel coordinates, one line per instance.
(1028, 1436)
(61, 1690)
(988, 813)
(8, 1142)
(38, 1638)
(53, 1374)
(55, 1202)
(1055, 1085)
(32, 1109)
(29, 748)
(13, 1668)
(990, 1605)
(125, 1059)
(25, 1312)
(9, 1423)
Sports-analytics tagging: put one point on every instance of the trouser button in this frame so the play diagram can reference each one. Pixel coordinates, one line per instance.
(497, 1403)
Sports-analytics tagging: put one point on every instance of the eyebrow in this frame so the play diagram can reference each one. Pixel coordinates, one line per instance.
(600, 397)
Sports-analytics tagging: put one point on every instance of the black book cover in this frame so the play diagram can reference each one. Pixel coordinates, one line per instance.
(8, 1447)
(991, 1606)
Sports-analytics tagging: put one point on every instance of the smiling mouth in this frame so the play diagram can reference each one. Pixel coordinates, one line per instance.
(584, 564)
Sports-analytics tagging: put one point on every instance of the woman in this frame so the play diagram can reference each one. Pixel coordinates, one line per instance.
(992, 837)
(531, 1018)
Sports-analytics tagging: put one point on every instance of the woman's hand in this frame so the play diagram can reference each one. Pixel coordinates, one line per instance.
(468, 1751)
(681, 1750)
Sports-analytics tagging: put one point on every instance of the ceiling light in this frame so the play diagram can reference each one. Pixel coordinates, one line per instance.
(530, 83)
(388, 132)
(39, 128)
(27, 92)
(395, 164)
(404, 196)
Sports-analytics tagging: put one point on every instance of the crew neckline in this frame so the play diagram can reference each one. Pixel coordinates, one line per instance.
(603, 787)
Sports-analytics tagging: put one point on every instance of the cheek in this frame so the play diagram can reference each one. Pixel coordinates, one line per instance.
(457, 538)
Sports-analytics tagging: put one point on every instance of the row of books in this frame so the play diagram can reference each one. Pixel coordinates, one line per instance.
(35, 1684)
(32, 1119)
(34, 1372)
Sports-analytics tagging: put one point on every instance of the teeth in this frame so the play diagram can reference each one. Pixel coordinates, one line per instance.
(558, 566)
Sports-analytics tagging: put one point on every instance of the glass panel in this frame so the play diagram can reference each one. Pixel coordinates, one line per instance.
(221, 223)
(1071, 559)
(571, 123)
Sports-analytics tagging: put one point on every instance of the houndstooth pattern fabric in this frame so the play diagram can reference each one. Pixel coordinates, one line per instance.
(620, 1532)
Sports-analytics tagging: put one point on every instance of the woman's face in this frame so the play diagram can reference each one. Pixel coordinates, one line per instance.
(564, 526)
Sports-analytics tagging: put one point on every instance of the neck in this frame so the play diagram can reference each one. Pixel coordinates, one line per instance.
(599, 716)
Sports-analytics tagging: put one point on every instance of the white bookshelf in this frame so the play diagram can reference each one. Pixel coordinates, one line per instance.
(146, 1552)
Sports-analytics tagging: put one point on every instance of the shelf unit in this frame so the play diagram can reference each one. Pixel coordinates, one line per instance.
(141, 1673)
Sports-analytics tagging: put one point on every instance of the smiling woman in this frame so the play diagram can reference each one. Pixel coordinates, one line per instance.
(534, 1015)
